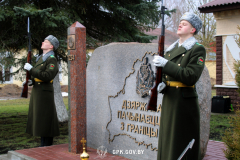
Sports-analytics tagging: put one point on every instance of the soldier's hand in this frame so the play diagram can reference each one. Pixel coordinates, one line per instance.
(161, 86)
(29, 82)
(159, 61)
(28, 66)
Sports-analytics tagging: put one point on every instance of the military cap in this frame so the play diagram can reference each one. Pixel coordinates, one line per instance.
(53, 40)
(194, 20)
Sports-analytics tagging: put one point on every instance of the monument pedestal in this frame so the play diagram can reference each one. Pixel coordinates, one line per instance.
(77, 86)
(55, 152)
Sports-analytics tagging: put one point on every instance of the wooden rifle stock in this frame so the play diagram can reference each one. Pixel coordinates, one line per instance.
(25, 86)
(152, 104)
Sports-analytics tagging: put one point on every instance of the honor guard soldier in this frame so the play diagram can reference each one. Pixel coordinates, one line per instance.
(42, 115)
(182, 66)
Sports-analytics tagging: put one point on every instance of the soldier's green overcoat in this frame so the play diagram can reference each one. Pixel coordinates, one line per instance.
(42, 116)
(180, 117)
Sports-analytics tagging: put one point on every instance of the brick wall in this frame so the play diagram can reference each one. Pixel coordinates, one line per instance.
(232, 93)
(219, 60)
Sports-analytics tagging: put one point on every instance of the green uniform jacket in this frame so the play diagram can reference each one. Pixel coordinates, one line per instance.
(42, 116)
(180, 117)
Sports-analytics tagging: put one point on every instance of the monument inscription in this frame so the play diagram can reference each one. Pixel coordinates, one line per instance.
(133, 118)
(138, 117)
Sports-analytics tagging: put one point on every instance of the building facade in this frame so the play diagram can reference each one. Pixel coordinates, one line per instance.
(227, 15)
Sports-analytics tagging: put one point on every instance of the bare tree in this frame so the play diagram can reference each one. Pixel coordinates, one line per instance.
(206, 34)
(237, 37)
(172, 22)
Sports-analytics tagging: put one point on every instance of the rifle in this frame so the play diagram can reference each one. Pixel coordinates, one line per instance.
(189, 146)
(152, 104)
(25, 86)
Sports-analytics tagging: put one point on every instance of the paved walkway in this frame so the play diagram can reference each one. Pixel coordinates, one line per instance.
(215, 151)
(60, 152)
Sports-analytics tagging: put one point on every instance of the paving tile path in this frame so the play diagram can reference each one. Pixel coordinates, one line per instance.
(215, 151)
(60, 152)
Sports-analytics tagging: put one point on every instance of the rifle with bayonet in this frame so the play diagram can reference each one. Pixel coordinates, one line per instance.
(25, 86)
(189, 146)
(152, 104)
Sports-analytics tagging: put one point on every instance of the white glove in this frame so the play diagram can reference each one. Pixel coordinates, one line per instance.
(29, 82)
(161, 86)
(28, 66)
(159, 61)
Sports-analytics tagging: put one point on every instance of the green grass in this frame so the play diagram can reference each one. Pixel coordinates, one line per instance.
(13, 107)
(218, 125)
(13, 120)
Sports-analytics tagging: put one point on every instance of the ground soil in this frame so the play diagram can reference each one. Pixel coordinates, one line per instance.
(64, 88)
(14, 91)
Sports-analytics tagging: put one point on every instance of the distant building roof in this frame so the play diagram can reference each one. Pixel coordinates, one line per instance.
(219, 5)
(170, 37)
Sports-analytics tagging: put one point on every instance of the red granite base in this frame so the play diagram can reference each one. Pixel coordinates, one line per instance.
(60, 152)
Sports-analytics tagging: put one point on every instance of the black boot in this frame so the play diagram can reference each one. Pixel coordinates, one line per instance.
(42, 142)
(46, 141)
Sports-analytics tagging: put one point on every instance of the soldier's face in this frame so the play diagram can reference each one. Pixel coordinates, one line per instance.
(185, 28)
(46, 45)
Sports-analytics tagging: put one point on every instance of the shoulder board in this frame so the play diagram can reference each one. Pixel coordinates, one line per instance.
(52, 56)
(199, 44)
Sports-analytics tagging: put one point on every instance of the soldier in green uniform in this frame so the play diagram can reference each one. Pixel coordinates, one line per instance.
(182, 65)
(42, 115)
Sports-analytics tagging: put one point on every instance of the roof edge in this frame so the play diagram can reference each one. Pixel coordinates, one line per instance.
(219, 8)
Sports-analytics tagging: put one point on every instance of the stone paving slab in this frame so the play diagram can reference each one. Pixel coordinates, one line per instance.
(215, 151)
(3, 157)
(60, 152)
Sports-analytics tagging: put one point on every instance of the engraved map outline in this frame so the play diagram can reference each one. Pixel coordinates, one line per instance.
(123, 92)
